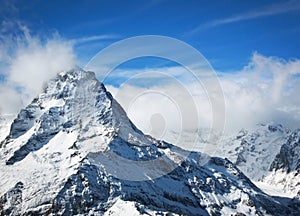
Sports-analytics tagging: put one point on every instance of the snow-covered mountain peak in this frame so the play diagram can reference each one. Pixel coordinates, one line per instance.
(71, 105)
(66, 82)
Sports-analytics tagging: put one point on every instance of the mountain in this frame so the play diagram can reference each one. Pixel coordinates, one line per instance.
(267, 154)
(74, 151)
(253, 151)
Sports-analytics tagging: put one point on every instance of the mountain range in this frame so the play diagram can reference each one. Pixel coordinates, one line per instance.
(74, 151)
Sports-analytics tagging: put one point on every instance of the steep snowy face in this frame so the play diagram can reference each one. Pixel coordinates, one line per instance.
(61, 157)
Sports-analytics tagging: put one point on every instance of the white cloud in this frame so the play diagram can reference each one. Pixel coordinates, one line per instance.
(10, 100)
(172, 102)
(28, 61)
(266, 90)
(36, 63)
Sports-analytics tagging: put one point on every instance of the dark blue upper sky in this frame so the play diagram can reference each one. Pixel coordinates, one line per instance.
(225, 32)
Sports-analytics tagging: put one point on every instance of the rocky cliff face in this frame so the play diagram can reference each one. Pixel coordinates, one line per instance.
(74, 151)
(285, 169)
(288, 159)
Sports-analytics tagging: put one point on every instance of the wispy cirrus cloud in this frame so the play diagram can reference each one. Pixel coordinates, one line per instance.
(269, 10)
(94, 38)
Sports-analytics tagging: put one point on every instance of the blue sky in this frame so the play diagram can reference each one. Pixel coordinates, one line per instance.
(252, 45)
(225, 32)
